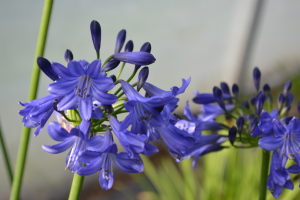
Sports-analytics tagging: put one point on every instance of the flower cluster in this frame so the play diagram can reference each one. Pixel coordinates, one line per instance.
(257, 125)
(87, 112)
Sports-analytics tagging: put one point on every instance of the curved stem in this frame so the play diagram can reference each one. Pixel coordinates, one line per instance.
(264, 174)
(108, 59)
(132, 75)
(120, 72)
(6, 158)
(16, 186)
(76, 187)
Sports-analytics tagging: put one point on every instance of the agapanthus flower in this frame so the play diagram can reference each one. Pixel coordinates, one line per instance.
(286, 137)
(279, 176)
(82, 83)
(102, 153)
(265, 125)
(132, 143)
(37, 112)
(76, 139)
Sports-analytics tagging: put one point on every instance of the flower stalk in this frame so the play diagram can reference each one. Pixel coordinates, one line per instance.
(264, 174)
(6, 158)
(76, 187)
(16, 186)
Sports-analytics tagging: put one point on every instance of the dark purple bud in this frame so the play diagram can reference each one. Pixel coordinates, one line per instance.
(267, 88)
(110, 65)
(288, 99)
(68, 56)
(143, 75)
(232, 134)
(113, 77)
(246, 104)
(280, 100)
(136, 58)
(259, 102)
(96, 34)
(145, 48)
(252, 125)
(129, 46)
(120, 40)
(287, 87)
(55, 102)
(225, 88)
(256, 77)
(286, 120)
(235, 90)
(107, 108)
(46, 67)
(240, 124)
(218, 94)
(252, 101)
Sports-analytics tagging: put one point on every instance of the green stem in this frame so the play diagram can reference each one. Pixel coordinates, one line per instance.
(108, 59)
(16, 186)
(264, 174)
(76, 187)
(132, 75)
(6, 158)
(120, 72)
(98, 54)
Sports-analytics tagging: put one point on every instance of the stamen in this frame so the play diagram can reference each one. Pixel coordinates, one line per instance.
(88, 95)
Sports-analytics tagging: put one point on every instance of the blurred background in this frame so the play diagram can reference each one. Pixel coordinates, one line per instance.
(212, 41)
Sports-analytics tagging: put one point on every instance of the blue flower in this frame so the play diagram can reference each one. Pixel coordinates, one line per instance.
(100, 156)
(82, 83)
(76, 139)
(265, 125)
(37, 112)
(132, 143)
(286, 137)
(279, 176)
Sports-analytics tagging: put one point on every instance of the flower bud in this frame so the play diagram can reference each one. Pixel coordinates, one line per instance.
(219, 97)
(68, 56)
(108, 108)
(136, 58)
(225, 88)
(113, 77)
(246, 104)
(287, 87)
(240, 124)
(120, 40)
(232, 134)
(145, 48)
(110, 65)
(46, 67)
(96, 34)
(235, 90)
(143, 75)
(259, 102)
(252, 125)
(129, 46)
(55, 102)
(267, 89)
(280, 100)
(252, 101)
(256, 77)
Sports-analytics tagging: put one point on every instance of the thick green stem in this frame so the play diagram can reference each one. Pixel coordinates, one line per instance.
(76, 187)
(16, 186)
(264, 174)
(6, 158)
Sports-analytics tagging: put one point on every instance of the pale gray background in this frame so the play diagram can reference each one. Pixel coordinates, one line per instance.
(189, 38)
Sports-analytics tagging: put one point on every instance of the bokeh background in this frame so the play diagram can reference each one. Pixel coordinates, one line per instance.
(212, 41)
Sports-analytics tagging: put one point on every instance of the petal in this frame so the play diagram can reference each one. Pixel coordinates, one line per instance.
(90, 169)
(294, 169)
(278, 128)
(58, 148)
(127, 121)
(85, 108)
(275, 113)
(68, 102)
(90, 156)
(62, 87)
(155, 91)
(56, 132)
(103, 83)
(270, 143)
(294, 125)
(127, 164)
(75, 68)
(103, 98)
(93, 69)
(289, 185)
(62, 71)
(96, 143)
(97, 113)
